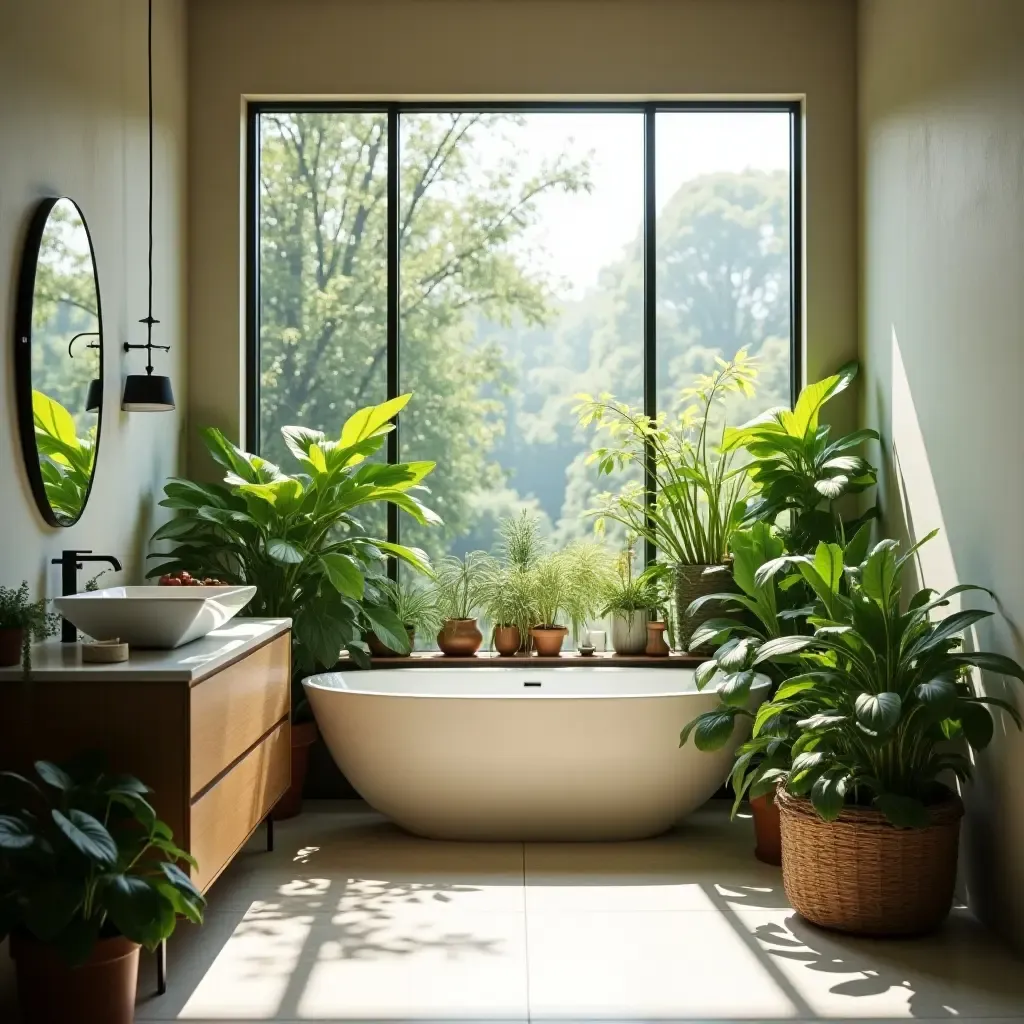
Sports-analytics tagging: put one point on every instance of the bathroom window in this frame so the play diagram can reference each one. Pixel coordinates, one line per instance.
(498, 259)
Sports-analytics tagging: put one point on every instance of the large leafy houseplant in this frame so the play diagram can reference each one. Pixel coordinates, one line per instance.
(66, 460)
(298, 538)
(83, 857)
(800, 476)
(884, 687)
(699, 488)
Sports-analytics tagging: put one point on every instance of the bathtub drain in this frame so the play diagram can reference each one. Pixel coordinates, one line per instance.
(531, 684)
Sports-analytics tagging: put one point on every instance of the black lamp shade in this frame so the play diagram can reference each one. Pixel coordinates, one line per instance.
(147, 393)
(94, 396)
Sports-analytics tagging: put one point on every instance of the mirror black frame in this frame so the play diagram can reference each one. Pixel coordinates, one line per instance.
(23, 356)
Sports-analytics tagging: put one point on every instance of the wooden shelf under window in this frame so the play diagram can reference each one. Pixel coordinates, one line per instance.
(435, 659)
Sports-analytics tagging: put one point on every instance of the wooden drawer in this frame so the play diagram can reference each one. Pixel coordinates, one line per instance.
(232, 710)
(224, 817)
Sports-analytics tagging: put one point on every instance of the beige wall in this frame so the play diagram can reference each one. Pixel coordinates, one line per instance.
(942, 265)
(73, 123)
(508, 48)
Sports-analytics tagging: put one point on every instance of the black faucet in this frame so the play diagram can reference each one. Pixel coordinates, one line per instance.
(70, 562)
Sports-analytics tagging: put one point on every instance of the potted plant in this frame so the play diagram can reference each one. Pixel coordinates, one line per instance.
(87, 875)
(869, 829)
(629, 601)
(698, 496)
(508, 600)
(22, 620)
(568, 585)
(459, 585)
(799, 474)
(298, 540)
(415, 607)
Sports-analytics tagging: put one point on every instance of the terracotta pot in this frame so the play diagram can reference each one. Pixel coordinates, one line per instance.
(547, 640)
(767, 831)
(52, 992)
(11, 639)
(629, 632)
(379, 649)
(304, 735)
(657, 646)
(507, 640)
(459, 638)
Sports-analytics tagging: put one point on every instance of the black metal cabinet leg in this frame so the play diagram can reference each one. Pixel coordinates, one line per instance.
(161, 968)
(270, 833)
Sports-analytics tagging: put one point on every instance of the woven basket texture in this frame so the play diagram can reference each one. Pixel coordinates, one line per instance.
(689, 583)
(860, 874)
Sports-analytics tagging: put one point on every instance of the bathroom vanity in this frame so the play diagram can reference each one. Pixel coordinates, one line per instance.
(206, 726)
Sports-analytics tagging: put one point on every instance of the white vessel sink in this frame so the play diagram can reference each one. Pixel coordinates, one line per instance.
(158, 617)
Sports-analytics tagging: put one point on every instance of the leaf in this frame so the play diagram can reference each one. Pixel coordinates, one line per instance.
(805, 770)
(54, 776)
(739, 656)
(135, 907)
(856, 549)
(415, 557)
(828, 561)
(284, 551)
(387, 627)
(344, 574)
(714, 729)
(989, 662)
(828, 794)
(782, 645)
(734, 690)
(767, 782)
(366, 422)
(949, 627)
(878, 573)
(51, 416)
(938, 694)
(177, 878)
(323, 628)
(87, 835)
(704, 672)
(903, 811)
(51, 904)
(877, 713)
(15, 834)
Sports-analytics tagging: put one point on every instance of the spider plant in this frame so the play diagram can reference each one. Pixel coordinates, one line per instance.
(460, 585)
(415, 607)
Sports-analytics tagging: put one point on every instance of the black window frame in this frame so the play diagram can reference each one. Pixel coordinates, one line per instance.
(394, 110)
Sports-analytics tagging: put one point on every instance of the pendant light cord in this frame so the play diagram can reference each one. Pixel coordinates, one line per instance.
(149, 321)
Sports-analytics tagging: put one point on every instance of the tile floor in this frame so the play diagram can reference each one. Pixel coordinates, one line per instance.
(352, 920)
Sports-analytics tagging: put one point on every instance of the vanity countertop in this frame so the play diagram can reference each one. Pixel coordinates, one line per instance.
(53, 661)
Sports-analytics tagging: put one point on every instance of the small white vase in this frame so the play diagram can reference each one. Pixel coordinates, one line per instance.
(629, 632)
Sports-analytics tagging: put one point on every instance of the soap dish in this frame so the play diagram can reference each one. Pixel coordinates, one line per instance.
(104, 652)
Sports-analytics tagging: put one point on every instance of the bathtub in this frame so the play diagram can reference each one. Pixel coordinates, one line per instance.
(521, 753)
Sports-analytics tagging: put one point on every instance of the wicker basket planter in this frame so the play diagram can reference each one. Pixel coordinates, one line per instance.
(860, 874)
(691, 582)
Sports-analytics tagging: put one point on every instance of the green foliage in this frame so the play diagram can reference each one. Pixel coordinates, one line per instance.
(83, 856)
(19, 611)
(460, 584)
(698, 492)
(415, 607)
(509, 597)
(882, 689)
(297, 538)
(629, 593)
(797, 470)
(66, 460)
(571, 583)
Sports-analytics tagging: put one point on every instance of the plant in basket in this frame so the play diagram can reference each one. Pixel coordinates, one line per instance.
(87, 875)
(869, 827)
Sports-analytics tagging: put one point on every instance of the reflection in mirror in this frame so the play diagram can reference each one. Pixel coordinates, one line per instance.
(59, 360)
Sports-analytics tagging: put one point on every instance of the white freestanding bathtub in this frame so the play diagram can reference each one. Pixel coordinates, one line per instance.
(521, 753)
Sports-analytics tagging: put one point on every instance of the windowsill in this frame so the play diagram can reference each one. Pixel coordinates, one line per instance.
(435, 659)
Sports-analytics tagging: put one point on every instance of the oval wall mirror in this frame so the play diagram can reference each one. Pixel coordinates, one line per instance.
(59, 360)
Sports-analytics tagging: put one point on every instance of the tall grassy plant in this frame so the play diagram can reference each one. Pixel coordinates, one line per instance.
(297, 538)
(697, 501)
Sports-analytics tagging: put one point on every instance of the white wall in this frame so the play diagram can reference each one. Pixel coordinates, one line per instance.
(942, 272)
(500, 49)
(73, 123)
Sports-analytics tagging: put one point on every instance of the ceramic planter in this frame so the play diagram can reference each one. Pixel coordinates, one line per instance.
(304, 735)
(460, 638)
(547, 640)
(629, 632)
(860, 874)
(657, 645)
(379, 649)
(11, 639)
(767, 831)
(507, 640)
(52, 992)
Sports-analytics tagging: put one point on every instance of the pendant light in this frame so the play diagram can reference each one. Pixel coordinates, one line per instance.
(148, 392)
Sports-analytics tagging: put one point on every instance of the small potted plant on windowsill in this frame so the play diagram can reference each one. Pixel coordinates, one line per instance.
(22, 620)
(87, 875)
(629, 603)
(415, 607)
(459, 586)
